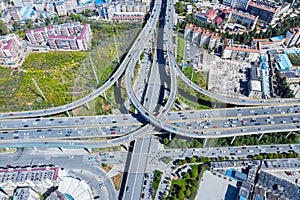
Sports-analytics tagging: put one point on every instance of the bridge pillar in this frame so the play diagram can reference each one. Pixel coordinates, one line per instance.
(68, 113)
(289, 134)
(260, 136)
(104, 95)
(170, 136)
(61, 149)
(204, 143)
(87, 105)
(34, 148)
(232, 140)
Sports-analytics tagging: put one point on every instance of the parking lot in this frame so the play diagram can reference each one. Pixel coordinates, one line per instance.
(222, 188)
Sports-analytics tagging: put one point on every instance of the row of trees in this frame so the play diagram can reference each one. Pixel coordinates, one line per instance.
(276, 155)
(271, 138)
(282, 88)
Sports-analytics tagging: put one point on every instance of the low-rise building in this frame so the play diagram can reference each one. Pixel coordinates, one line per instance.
(10, 48)
(25, 193)
(292, 37)
(240, 52)
(128, 16)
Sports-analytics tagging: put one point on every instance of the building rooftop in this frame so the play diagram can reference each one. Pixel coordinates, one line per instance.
(264, 5)
(255, 85)
(283, 62)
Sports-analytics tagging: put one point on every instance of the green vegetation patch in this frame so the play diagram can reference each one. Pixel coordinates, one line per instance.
(186, 187)
(106, 149)
(156, 181)
(295, 59)
(166, 159)
(267, 139)
(180, 49)
(67, 76)
(177, 143)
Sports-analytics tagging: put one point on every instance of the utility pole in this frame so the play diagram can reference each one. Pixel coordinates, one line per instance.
(39, 89)
(94, 70)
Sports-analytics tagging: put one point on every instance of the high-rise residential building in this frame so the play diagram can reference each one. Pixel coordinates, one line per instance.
(68, 36)
(238, 4)
(266, 10)
(292, 37)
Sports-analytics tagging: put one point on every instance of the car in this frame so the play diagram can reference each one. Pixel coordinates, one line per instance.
(101, 185)
(46, 143)
(127, 188)
(11, 114)
(244, 100)
(143, 195)
(215, 126)
(113, 132)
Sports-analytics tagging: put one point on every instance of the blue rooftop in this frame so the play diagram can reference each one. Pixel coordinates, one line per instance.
(284, 62)
(26, 12)
(98, 2)
(292, 51)
(280, 37)
(242, 198)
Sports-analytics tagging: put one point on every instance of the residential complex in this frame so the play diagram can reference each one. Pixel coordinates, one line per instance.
(69, 36)
(10, 49)
(202, 37)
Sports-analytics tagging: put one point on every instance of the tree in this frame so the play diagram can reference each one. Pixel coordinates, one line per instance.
(166, 141)
(180, 194)
(193, 160)
(188, 192)
(187, 175)
(3, 28)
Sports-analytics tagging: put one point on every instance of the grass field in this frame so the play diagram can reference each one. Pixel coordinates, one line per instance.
(180, 49)
(65, 76)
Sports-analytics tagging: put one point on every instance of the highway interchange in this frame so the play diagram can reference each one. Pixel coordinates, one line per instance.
(38, 129)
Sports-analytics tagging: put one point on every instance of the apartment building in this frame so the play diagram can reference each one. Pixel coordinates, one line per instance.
(202, 37)
(68, 36)
(266, 10)
(10, 49)
(242, 18)
(61, 9)
(240, 52)
(292, 37)
(238, 4)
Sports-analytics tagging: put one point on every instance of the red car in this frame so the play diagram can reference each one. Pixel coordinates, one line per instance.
(11, 114)
(113, 132)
